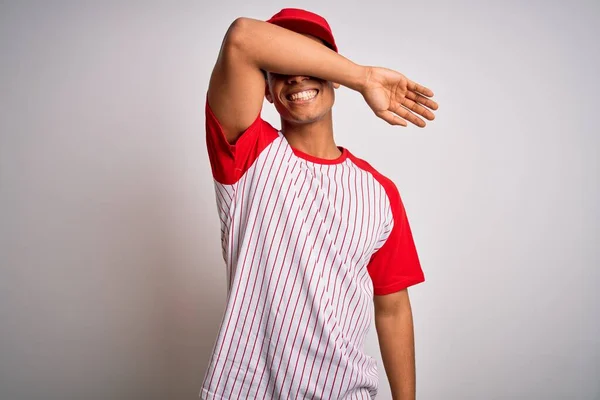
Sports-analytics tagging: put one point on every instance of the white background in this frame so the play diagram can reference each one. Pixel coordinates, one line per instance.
(112, 284)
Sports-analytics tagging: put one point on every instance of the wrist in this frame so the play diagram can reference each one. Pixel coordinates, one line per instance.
(360, 78)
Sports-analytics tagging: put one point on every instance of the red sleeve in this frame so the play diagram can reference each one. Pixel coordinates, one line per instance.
(229, 161)
(395, 265)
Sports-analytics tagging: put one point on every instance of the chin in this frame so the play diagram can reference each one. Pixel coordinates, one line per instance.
(303, 118)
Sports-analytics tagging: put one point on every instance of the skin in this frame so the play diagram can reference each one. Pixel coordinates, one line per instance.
(395, 333)
(237, 85)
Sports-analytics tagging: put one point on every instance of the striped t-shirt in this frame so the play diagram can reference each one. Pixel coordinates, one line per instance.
(307, 242)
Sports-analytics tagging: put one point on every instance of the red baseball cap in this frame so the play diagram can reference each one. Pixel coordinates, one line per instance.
(302, 21)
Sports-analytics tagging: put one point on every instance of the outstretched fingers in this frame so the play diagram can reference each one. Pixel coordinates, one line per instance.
(417, 98)
(407, 115)
(417, 108)
(415, 87)
(391, 118)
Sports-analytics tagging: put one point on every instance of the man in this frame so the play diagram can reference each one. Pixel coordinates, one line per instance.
(312, 235)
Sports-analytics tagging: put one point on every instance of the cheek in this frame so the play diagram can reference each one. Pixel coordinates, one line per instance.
(280, 107)
(329, 95)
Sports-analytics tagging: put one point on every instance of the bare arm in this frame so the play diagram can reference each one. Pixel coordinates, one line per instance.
(237, 86)
(394, 324)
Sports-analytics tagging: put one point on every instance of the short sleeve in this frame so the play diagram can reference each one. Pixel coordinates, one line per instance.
(395, 265)
(229, 161)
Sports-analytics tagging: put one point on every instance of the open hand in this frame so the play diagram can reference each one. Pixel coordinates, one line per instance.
(396, 99)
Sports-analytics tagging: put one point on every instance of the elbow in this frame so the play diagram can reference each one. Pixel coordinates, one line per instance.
(236, 34)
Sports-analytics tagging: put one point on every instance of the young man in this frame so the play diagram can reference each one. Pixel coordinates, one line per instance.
(313, 237)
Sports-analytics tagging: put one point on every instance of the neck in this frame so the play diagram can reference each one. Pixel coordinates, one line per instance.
(315, 138)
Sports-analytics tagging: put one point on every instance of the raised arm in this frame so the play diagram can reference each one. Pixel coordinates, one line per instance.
(237, 85)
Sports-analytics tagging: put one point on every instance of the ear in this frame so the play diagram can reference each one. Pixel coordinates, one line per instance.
(268, 93)
(336, 85)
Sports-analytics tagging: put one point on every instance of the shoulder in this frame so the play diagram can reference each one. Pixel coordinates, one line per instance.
(390, 187)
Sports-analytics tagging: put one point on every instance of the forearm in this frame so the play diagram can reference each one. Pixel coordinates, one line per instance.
(396, 341)
(276, 49)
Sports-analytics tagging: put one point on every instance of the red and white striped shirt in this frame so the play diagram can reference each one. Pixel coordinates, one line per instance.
(307, 242)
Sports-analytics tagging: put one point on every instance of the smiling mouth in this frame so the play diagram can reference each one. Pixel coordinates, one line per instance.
(302, 97)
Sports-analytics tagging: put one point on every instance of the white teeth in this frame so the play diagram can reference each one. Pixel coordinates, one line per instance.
(305, 95)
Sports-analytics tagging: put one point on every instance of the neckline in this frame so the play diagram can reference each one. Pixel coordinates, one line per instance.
(318, 160)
